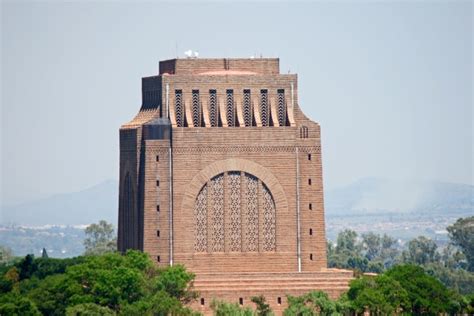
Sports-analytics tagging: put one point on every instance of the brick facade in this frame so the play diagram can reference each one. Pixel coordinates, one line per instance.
(221, 171)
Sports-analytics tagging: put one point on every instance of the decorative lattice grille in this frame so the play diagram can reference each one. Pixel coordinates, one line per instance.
(229, 213)
(235, 240)
(213, 113)
(230, 110)
(179, 108)
(251, 224)
(247, 108)
(264, 111)
(269, 220)
(217, 241)
(281, 107)
(200, 215)
(196, 109)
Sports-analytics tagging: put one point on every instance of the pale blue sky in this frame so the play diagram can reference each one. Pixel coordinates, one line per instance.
(389, 82)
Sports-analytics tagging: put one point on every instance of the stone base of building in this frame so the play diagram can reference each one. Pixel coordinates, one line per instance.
(240, 287)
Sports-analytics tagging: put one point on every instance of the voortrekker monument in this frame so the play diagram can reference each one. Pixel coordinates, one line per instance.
(221, 171)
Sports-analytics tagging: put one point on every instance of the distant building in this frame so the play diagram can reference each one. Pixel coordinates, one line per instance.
(221, 171)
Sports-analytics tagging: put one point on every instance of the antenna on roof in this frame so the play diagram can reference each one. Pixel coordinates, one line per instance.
(176, 47)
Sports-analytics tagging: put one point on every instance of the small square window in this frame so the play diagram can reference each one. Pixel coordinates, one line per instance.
(310, 206)
(158, 258)
(202, 301)
(309, 181)
(158, 233)
(241, 301)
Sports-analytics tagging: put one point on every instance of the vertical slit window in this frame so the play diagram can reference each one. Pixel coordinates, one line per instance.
(158, 258)
(281, 107)
(310, 206)
(247, 107)
(309, 156)
(213, 112)
(264, 111)
(196, 108)
(179, 108)
(230, 109)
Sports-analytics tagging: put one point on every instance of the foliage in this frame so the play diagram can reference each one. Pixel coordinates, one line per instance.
(421, 250)
(89, 309)
(461, 234)
(15, 304)
(426, 294)
(100, 238)
(381, 295)
(371, 253)
(6, 255)
(313, 303)
(177, 282)
(221, 308)
(263, 309)
(112, 283)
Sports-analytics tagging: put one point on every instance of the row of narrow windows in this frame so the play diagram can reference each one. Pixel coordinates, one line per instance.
(241, 301)
(230, 115)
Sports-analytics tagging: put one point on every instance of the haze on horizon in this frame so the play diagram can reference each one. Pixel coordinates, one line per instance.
(389, 82)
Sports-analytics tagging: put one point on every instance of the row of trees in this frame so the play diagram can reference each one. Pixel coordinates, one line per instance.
(130, 284)
(453, 265)
(417, 279)
(109, 284)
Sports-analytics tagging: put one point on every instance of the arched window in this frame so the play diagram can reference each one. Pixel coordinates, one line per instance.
(242, 199)
(303, 132)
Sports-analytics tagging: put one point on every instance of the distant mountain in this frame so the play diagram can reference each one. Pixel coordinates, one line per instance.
(77, 208)
(383, 196)
(368, 196)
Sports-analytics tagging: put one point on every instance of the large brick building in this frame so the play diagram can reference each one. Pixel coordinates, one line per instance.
(221, 171)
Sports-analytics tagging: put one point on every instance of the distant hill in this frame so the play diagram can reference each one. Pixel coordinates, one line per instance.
(367, 196)
(383, 196)
(77, 208)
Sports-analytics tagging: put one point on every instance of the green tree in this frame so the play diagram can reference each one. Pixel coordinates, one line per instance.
(89, 309)
(15, 304)
(160, 303)
(100, 238)
(379, 295)
(222, 308)
(426, 294)
(263, 309)
(176, 281)
(313, 303)
(461, 234)
(421, 250)
(6, 255)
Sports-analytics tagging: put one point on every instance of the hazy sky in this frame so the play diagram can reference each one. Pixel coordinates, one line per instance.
(389, 82)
